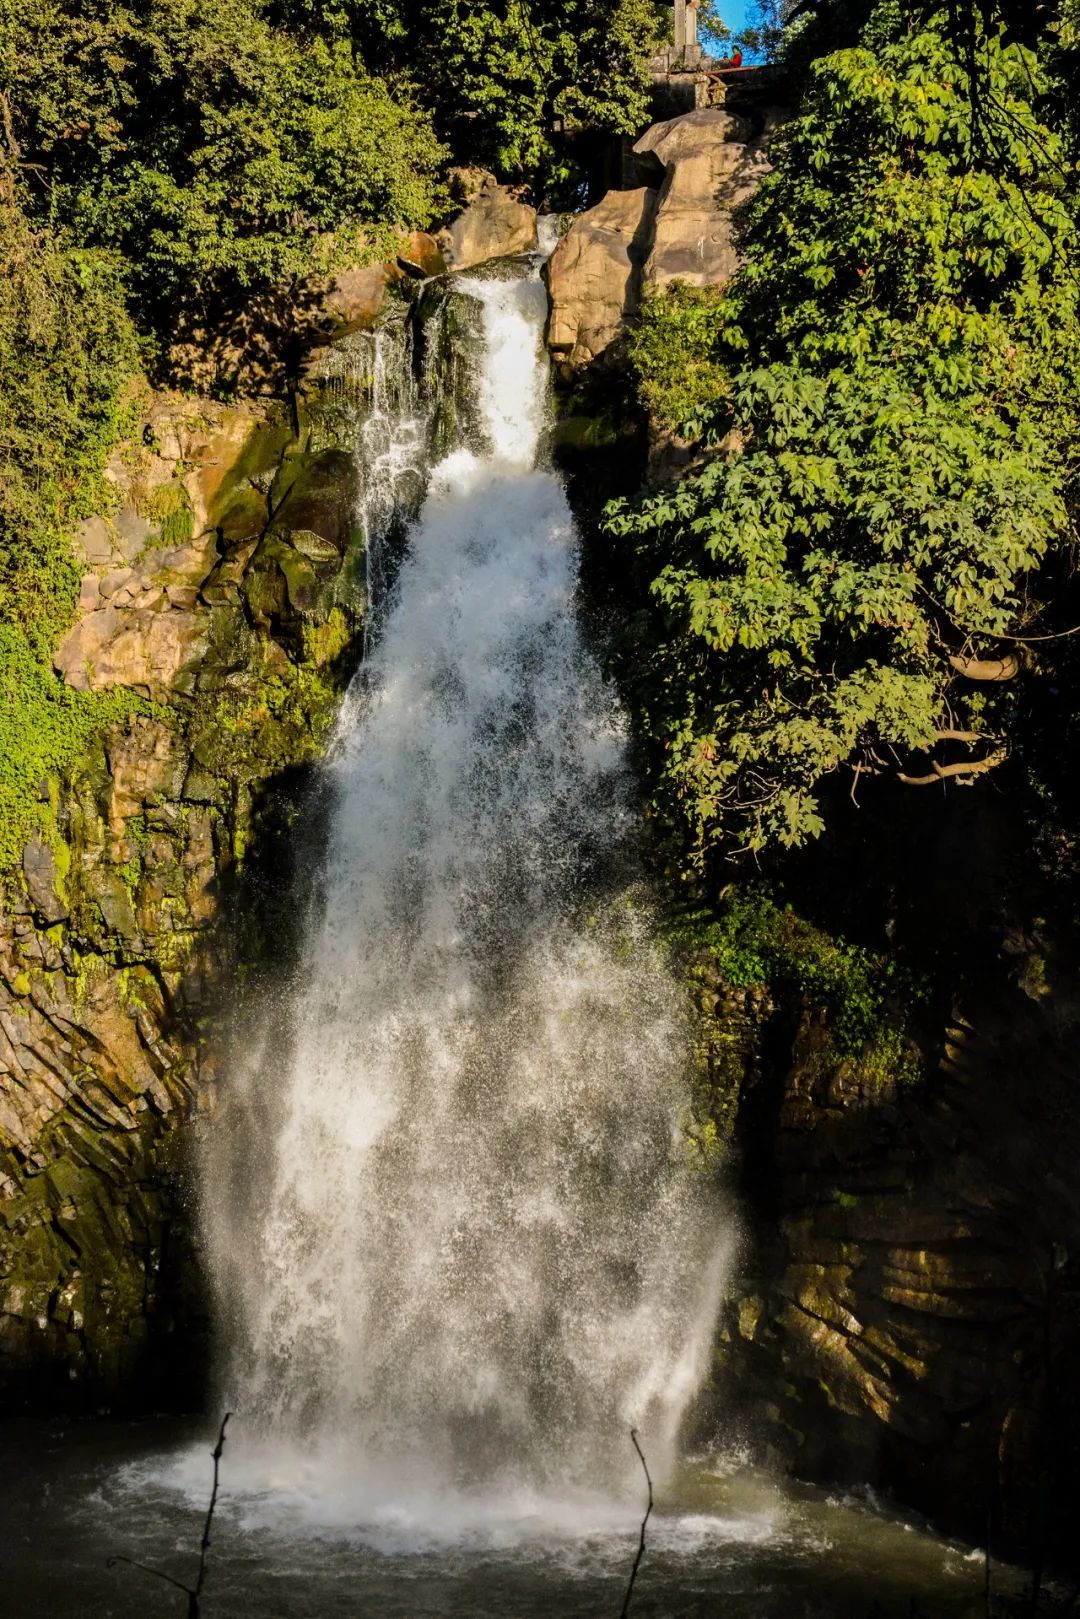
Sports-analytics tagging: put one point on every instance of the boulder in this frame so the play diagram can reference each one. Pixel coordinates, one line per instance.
(213, 446)
(187, 564)
(355, 299)
(495, 225)
(707, 166)
(94, 541)
(420, 254)
(315, 493)
(151, 652)
(594, 275)
(356, 296)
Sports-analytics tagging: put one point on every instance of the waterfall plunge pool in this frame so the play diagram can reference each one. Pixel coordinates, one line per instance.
(723, 1541)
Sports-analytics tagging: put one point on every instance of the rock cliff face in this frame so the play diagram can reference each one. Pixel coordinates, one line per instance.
(223, 591)
(908, 1313)
(680, 225)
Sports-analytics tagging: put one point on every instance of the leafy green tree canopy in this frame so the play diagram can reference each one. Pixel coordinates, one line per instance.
(845, 587)
(209, 145)
(509, 83)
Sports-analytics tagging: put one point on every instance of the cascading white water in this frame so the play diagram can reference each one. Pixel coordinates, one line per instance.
(467, 1254)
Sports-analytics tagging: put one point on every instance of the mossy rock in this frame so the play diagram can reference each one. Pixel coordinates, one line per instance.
(235, 503)
(264, 585)
(315, 494)
(244, 518)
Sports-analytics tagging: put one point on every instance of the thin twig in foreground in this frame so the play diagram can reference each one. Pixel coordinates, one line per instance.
(193, 1592)
(644, 1521)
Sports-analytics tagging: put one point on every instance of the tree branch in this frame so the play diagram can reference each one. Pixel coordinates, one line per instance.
(193, 1592)
(966, 768)
(1005, 668)
(204, 1544)
(644, 1521)
(144, 1568)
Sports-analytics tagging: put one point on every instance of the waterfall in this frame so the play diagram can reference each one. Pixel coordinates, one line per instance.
(460, 1250)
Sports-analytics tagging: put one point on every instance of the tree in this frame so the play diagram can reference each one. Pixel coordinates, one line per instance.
(509, 83)
(845, 588)
(211, 147)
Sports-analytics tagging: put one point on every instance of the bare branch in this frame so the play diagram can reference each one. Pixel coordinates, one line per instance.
(961, 772)
(204, 1544)
(144, 1568)
(193, 1592)
(644, 1521)
(1006, 668)
(1030, 640)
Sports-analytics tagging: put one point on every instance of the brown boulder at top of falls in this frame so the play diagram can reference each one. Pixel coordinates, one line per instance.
(680, 226)
(711, 167)
(594, 275)
(494, 225)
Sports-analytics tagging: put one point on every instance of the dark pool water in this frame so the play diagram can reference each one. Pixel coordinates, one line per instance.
(724, 1541)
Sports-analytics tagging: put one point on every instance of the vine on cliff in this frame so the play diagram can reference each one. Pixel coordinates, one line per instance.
(68, 356)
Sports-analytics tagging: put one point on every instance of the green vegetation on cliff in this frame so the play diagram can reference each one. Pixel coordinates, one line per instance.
(846, 587)
(68, 358)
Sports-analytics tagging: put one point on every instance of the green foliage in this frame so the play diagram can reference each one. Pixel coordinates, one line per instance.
(44, 728)
(507, 81)
(213, 148)
(904, 376)
(169, 510)
(672, 351)
(754, 941)
(68, 357)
